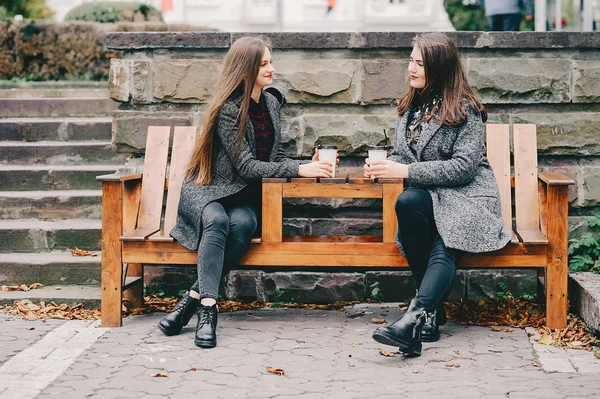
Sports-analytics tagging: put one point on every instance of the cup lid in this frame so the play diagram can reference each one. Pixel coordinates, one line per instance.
(327, 147)
(381, 147)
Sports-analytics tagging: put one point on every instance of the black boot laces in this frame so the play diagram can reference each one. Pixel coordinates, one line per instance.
(207, 316)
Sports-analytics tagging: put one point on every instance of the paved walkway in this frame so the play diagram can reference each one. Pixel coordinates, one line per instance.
(325, 354)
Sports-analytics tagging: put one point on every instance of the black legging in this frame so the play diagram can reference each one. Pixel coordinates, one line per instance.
(432, 264)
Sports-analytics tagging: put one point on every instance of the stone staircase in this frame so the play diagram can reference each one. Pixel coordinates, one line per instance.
(55, 138)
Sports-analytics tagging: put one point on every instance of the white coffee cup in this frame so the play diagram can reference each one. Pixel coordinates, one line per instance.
(328, 153)
(377, 153)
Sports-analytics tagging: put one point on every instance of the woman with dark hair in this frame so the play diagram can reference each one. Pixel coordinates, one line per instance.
(238, 145)
(451, 202)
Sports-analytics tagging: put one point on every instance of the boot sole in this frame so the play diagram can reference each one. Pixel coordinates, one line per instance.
(205, 344)
(388, 339)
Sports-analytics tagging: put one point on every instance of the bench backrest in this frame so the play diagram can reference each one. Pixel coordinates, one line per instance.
(498, 151)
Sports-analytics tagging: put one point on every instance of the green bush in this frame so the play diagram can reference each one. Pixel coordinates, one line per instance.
(27, 8)
(114, 12)
(584, 253)
(469, 16)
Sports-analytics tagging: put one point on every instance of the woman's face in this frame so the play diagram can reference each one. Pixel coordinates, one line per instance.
(265, 73)
(416, 69)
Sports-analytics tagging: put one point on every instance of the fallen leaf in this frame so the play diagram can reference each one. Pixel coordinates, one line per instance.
(350, 364)
(353, 344)
(545, 340)
(376, 320)
(82, 252)
(386, 354)
(275, 371)
(415, 371)
(192, 369)
(159, 374)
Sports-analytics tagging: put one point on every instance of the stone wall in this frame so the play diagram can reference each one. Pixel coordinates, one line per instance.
(340, 88)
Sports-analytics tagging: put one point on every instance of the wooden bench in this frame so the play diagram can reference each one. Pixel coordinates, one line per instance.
(132, 209)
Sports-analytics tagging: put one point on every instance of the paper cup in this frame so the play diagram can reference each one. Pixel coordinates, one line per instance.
(377, 153)
(328, 153)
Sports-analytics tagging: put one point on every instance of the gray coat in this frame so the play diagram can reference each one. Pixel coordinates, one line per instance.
(230, 174)
(451, 165)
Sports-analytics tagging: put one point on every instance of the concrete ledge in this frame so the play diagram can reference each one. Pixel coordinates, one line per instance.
(351, 40)
(72, 295)
(584, 296)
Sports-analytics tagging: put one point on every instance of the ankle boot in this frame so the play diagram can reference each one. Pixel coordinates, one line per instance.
(431, 328)
(181, 314)
(206, 329)
(405, 332)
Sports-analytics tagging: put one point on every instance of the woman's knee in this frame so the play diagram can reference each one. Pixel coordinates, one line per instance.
(214, 217)
(411, 199)
(243, 224)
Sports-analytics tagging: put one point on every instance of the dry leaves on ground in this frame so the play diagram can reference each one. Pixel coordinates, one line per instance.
(82, 252)
(376, 320)
(273, 370)
(159, 374)
(521, 313)
(28, 310)
(387, 354)
(21, 287)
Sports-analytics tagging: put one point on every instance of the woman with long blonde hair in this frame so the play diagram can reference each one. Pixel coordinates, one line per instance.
(238, 145)
(451, 204)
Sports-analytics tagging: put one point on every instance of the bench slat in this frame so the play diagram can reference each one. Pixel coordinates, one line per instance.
(184, 138)
(307, 190)
(153, 182)
(527, 207)
(498, 153)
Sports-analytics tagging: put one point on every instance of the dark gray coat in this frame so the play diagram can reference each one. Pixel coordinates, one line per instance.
(230, 174)
(451, 165)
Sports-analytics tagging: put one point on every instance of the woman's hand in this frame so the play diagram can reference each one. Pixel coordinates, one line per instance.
(385, 168)
(316, 169)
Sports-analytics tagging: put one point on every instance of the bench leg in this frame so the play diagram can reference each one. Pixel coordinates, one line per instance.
(558, 262)
(111, 289)
(391, 191)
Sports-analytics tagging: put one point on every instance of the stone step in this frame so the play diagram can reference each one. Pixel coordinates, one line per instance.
(46, 107)
(54, 84)
(72, 295)
(59, 153)
(48, 177)
(31, 235)
(49, 268)
(51, 205)
(38, 129)
(54, 92)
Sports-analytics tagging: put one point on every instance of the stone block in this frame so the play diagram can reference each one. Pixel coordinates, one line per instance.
(296, 227)
(384, 80)
(520, 80)
(141, 82)
(335, 203)
(578, 226)
(292, 135)
(483, 283)
(130, 127)
(354, 227)
(396, 286)
(590, 182)
(311, 287)
(584, 296)
(353, 134)
(569, 167)
(319, 81)
(169, 279)
(119, 79)
(586, 81)
(459, 289)
(185, 80)
(564, 133)
(245, 285)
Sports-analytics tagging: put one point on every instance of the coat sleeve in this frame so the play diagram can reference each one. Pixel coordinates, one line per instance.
(245, 161)
(461, 168)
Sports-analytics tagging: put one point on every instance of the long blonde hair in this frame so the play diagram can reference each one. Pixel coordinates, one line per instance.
(445, 80)
(240, 69)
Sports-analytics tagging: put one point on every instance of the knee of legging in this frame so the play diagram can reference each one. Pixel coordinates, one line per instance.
(244, 227)
(408, 200)
(442, 259)
(216, 221)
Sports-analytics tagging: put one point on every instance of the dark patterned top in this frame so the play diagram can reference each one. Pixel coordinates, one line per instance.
(263, 128)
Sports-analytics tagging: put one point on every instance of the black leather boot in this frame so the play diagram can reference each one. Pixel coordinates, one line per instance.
(181, 314)
(405, 332)
(431, 329)
(206, 329)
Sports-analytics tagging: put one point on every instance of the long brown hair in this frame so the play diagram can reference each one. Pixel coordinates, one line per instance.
(445, 80)
(240, 69)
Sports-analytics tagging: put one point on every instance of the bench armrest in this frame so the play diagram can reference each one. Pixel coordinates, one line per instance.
(555, 179)
(117, 177)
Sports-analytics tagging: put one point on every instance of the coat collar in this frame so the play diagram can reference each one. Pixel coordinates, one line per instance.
(428, 130)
